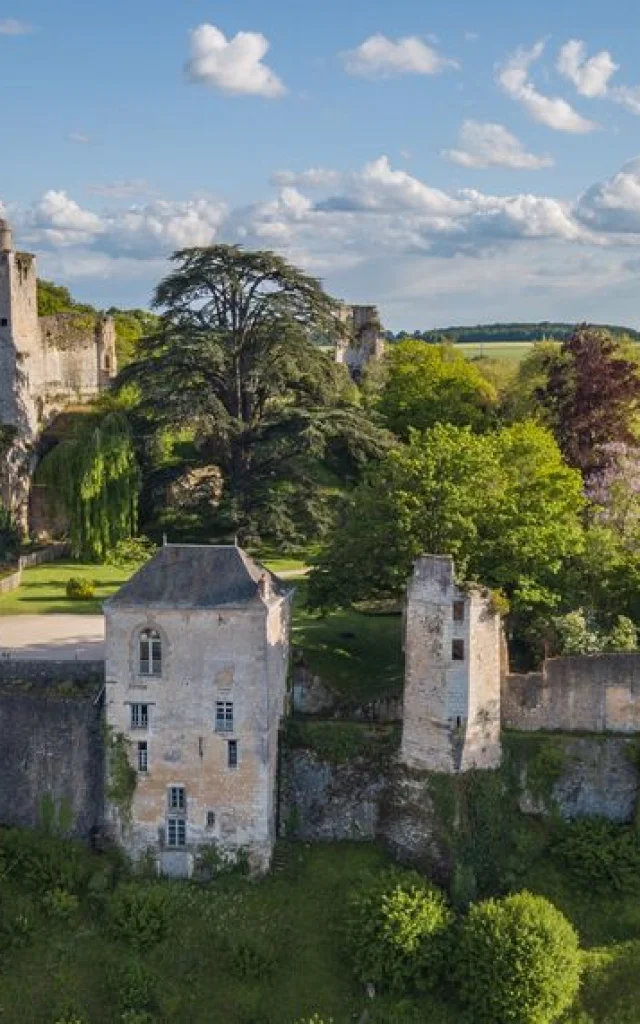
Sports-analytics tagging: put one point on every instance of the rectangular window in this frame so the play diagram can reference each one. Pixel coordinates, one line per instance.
(224, 716)
(457, 650)
(458, 611)
(232, 753)
(177, 798)
(176, 832)
(211, 819)
(4, 322)
(143, 757)
(139, 716)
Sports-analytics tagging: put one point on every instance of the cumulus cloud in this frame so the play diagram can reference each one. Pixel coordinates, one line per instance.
(627, 96)
(232, 65)
(554, 112)
(59, 220)
(484, 144)
(314, 177)
(589, 75)
(379, 56)
(14, 27)
(613, 205)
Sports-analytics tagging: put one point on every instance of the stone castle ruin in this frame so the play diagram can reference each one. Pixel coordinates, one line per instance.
(46, 365)
(194, 690)
(364, 342)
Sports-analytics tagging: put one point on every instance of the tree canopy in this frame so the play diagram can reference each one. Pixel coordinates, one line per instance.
(503, 504)
(429, 384)
(233, 363)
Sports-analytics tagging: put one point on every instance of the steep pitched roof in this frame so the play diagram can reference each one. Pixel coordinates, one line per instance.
(196, 576)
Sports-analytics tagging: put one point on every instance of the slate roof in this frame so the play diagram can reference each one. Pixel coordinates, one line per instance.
(196, 576)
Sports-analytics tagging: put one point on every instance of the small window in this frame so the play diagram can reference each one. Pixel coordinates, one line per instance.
(177, 798)
(4, 322)
(143, 757)
(176, 832)
(232, 754)
(458, 722)
(457, 650)
(458, 611)
(224, 716)
(139, 716)
(211, 819)
(150, 653)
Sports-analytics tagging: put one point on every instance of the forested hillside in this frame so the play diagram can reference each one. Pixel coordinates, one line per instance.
(507, 332)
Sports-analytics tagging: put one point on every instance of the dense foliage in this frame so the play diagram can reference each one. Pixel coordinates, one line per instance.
(9, 536)
(503, 504)
(517, 960)
(94, 477)
(232, 366)
(508, 332)
(426, 385)
(398, 932)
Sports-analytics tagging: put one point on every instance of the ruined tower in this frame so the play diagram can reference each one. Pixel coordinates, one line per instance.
(21, 365)
(364, 343)
(452, 676)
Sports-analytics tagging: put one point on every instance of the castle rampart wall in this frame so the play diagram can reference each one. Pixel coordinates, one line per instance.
(582, 693)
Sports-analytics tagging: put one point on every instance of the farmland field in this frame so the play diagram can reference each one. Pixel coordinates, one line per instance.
(514, 351)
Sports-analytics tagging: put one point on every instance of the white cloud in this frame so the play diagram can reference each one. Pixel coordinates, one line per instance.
(14, 27)
(79, 138)
(627, 96)
(59, 220)
(483, 144)
(314, 177)
(379, 56)
(614, 205)
(124, 189)
(232, 65)
(471, 37)
(555, 112)
(590, 76)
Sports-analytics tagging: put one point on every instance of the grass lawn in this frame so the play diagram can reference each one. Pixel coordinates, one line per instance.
(256, 952)
(513, 351)
(358, 655)
(43, 589)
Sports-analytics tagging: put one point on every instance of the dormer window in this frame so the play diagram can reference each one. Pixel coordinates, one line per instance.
(150, 653)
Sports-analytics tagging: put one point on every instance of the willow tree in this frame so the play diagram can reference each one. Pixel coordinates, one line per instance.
(93, 476)
(234, 362)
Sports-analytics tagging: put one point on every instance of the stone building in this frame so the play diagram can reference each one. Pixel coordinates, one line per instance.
(46, 363)
(364, 343)
(452, 674)
(197, 651)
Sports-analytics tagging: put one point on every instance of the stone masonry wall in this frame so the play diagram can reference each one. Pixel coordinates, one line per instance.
(585, 693)
(52, 744)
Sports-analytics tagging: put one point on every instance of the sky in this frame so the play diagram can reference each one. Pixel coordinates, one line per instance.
(453, 163)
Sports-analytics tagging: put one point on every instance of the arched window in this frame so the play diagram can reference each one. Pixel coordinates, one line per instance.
(150, 653)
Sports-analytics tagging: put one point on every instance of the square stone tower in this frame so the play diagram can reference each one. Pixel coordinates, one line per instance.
(21, 366)
(197, 651)
(452, 675)
(365, 343)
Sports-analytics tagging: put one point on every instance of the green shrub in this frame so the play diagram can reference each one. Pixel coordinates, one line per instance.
(131, 552)
(137, 1017)
(9, 535)
(600, 854)
(250, 959)
(316, 1019)
(80, 589)
(398, 928)
(138, 913)
(42, 863)
(60, 903)
(517, 960)
(136, 988)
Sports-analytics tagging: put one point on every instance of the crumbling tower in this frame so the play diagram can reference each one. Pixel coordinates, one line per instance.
(452, 676)
(364, 343)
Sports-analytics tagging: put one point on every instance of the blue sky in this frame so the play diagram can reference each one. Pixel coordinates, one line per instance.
(452, 162)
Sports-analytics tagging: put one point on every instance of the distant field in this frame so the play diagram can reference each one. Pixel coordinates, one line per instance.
(514, 351)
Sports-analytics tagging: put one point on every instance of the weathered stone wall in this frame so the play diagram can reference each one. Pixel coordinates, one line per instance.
(451, 706)
(78, 352)
(586, 693)
(311, 696)
(51, 744)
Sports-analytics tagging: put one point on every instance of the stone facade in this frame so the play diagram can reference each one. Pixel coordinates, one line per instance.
(214, 703)
(46, 363)
(365, 342)
(584, 693)
(452, 674)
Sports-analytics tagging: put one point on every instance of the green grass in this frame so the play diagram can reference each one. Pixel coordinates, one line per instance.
(513, 351)
(356, 654)
(43, 589)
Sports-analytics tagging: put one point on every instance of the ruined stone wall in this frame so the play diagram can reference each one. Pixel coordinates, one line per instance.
(236, 655)
(52, 744)
(79, 356)
(584, 693)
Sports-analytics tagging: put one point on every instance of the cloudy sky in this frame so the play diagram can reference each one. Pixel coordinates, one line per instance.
(453, 162)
